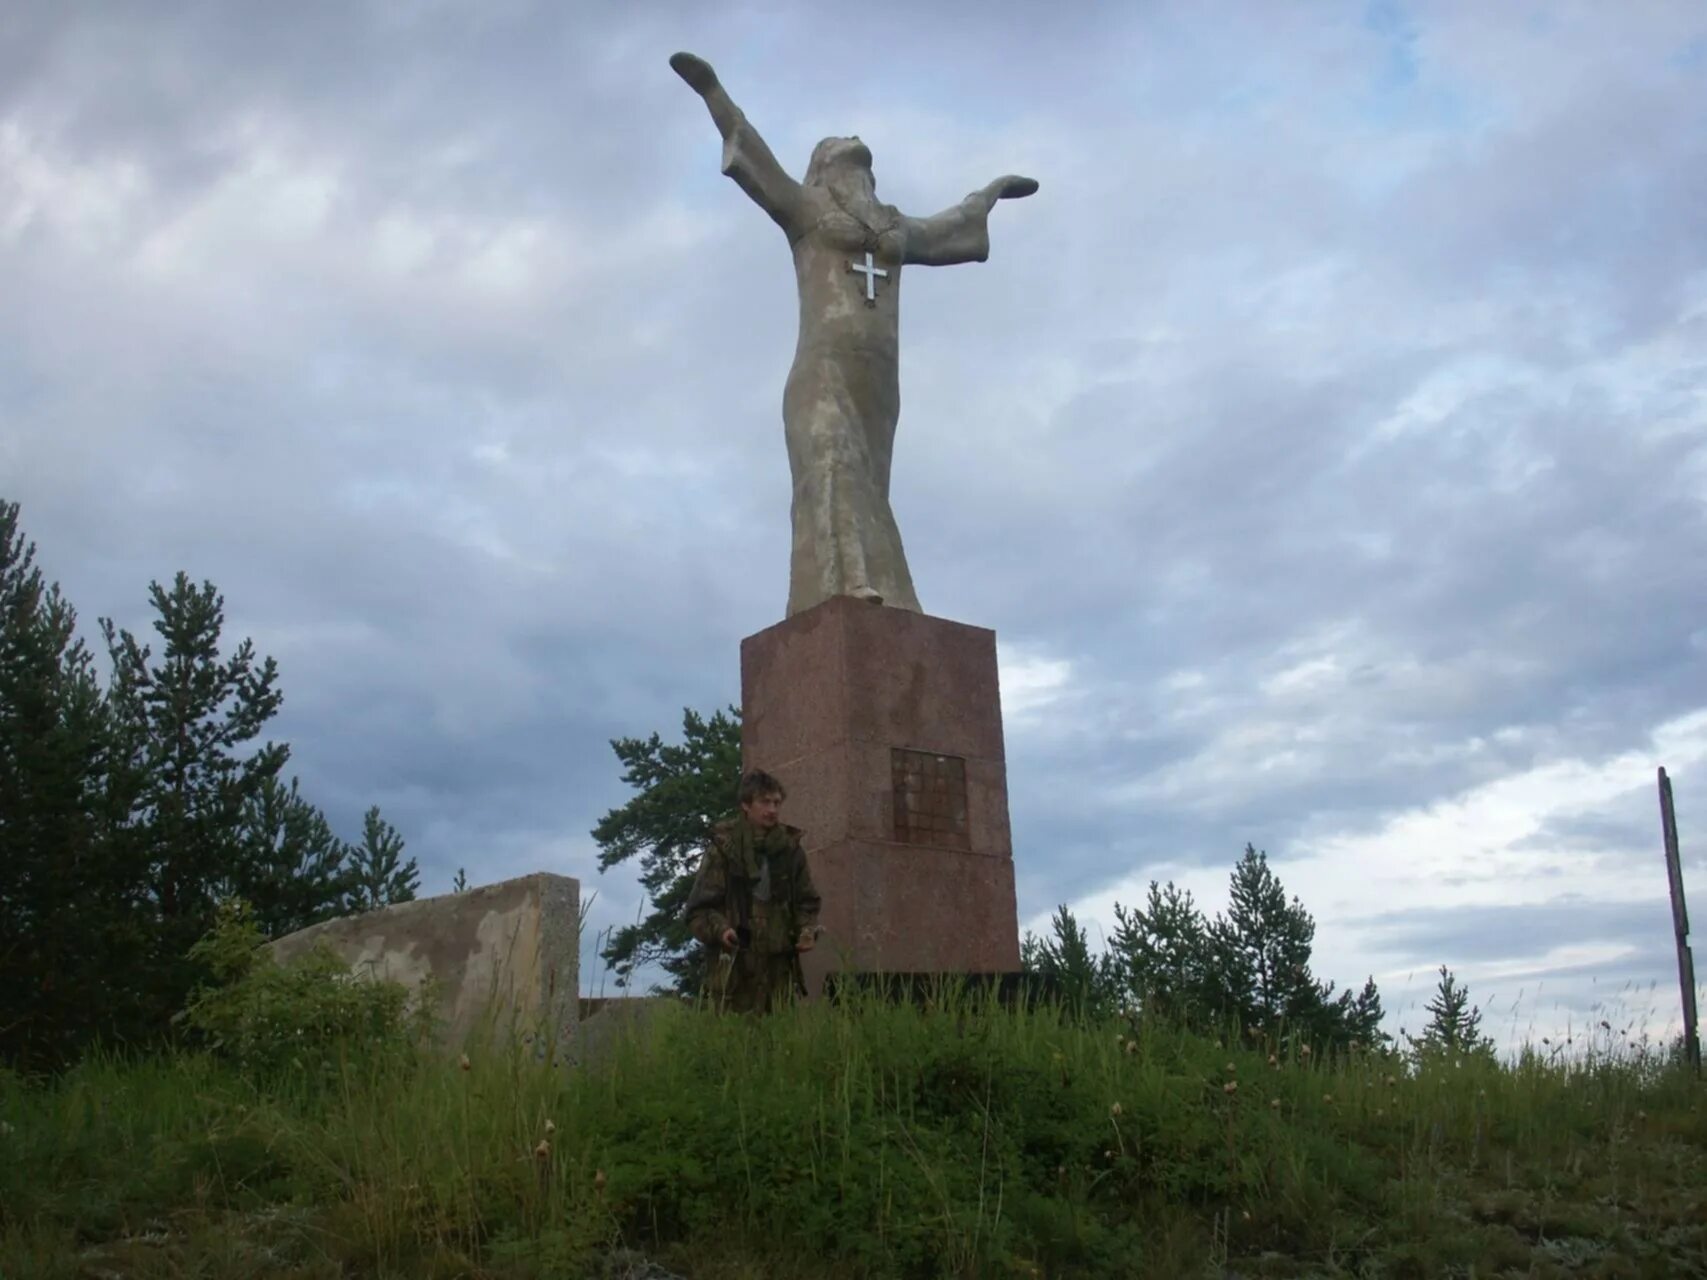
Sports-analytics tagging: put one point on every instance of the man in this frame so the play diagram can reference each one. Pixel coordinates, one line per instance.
(753, 904)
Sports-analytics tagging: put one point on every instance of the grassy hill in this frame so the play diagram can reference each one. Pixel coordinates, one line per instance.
(865, 1141)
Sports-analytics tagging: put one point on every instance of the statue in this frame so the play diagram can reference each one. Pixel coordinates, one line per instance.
(843, 397)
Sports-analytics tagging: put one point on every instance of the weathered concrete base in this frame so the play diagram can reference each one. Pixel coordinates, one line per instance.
(504, 959)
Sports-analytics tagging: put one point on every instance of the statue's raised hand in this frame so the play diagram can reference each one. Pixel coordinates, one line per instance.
(1010, 187)
(696, 71)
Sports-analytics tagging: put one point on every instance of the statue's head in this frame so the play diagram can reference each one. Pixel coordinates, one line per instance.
(836, 160)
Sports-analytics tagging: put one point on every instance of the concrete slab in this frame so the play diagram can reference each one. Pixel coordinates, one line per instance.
(616, 1020)
(505, 958)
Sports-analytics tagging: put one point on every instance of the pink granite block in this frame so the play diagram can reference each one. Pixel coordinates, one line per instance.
(913, 854)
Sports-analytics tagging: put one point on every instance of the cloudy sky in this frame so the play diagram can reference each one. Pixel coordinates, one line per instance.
(1326, 442)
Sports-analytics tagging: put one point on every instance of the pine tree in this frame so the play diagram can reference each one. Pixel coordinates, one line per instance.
(188, 765)
(1160, 953)
(69, 904)
(125, 815)
(379, 876)
(1360, 1016)
(293, 872)
(684, 790)
(1260, 950)
(1084, 981)
(1455, 1025)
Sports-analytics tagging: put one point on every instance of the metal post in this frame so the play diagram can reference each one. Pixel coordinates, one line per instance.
(1680, 923)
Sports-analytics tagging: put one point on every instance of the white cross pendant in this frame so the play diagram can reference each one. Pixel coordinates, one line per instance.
(871, 271)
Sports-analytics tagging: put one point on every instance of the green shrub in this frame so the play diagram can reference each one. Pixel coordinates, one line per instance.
(306, 1015)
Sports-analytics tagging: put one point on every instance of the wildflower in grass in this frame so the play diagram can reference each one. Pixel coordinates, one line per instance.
(599, 1181)
(1274, 1104)
(1328, 1098)
(543, 1150)
(550, 1127)
(1131, 1046)
(1232, 1086)
(1641, 1115)
(1232, 1067)
(1273, 1061)
(1304, 1051)
(1379, 1112)
(1392, 1082)
(1114, 1110)
(464, 1063)
(1244, 1215)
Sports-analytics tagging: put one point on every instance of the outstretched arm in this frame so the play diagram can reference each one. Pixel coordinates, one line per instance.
(962, 234)
(746, 158)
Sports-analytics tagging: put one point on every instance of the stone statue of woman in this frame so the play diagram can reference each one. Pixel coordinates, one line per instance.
(843, 395)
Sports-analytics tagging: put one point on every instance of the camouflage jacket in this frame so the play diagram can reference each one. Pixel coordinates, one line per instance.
(726, 896)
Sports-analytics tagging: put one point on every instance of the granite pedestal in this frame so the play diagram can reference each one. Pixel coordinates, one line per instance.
(885, 726)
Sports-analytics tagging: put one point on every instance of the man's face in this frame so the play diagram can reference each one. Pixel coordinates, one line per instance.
(764, 811)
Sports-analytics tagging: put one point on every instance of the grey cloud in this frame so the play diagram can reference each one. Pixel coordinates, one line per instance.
(1530, 997)
(1461, 936)
(1630, 826)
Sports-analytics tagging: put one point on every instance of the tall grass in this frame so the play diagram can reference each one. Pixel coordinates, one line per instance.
(865, 1140)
